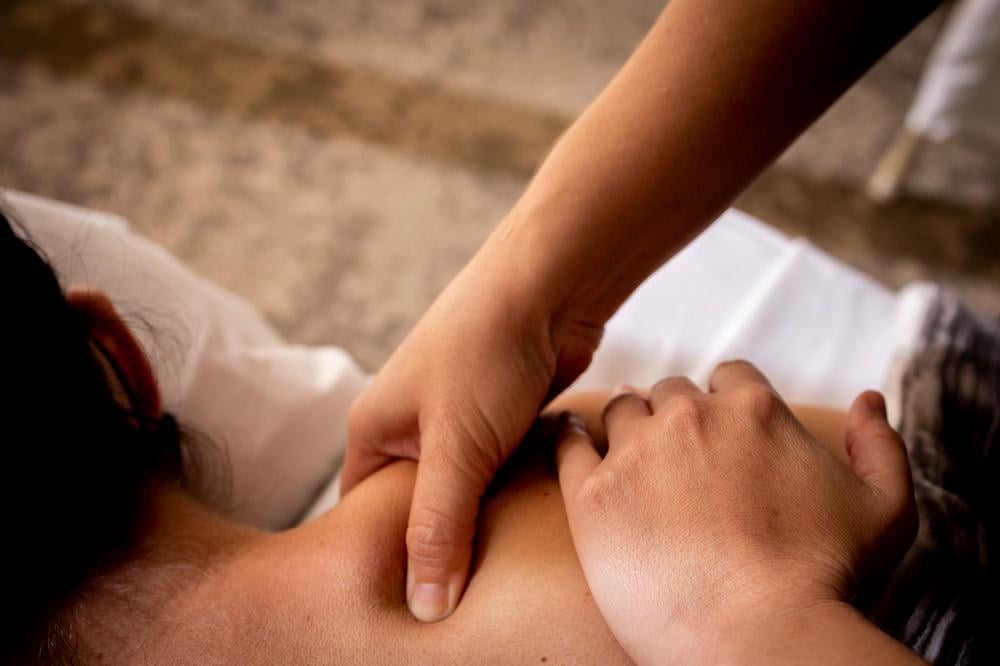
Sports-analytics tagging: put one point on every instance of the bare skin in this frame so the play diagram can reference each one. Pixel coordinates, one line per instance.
(203, 589)
(714, 93)
(706, 538)
(333, 590)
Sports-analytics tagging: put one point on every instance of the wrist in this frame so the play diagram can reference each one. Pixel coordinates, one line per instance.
(785, 634)
(571, 270)
(531, 290)
(826, 631)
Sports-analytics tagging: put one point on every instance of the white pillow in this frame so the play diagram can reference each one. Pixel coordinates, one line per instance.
(279, 410)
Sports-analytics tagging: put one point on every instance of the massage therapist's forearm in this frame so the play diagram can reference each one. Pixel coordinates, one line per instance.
(714, 93)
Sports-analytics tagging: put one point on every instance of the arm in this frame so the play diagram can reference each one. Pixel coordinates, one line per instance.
(716, 90)
(712, 95)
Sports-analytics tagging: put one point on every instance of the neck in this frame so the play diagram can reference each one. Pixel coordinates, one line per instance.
(140, 602)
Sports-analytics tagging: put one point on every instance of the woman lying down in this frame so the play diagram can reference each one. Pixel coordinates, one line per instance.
(114, 557)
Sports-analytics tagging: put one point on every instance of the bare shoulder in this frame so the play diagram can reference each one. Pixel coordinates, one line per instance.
(527, 600)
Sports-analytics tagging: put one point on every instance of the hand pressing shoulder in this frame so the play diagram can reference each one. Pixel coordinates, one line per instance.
(718, 528)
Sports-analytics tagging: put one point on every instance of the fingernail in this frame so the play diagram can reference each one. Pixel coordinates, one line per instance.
(428, 602)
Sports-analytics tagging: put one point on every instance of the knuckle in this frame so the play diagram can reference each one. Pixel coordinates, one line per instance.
(428, 544)
(724, 368)
(618, 412)
(619, 400)
(609, 406)
(431, 543)
(597, 493)
(759, 400)
(634, 456)
(686, 413)
(731, 365)
(735, 363)
(667, 382)
(660, 385)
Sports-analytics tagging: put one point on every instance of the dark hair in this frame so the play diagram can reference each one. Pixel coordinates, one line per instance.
(79, 467)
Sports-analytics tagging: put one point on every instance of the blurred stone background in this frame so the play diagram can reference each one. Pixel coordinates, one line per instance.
(337, 161)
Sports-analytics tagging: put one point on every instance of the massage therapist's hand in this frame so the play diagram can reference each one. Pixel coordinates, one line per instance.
(718, 529)
(459, 394)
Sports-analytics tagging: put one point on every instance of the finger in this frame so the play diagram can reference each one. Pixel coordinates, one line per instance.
(576, 457)
(878, 456)
(624, 407)
(668, 388)
(732, 374)
(442, 525)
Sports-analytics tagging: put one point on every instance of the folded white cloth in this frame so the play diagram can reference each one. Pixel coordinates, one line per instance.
(819, 329)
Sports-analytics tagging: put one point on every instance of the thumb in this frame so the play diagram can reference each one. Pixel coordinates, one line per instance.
(442, 526)
(877, 453)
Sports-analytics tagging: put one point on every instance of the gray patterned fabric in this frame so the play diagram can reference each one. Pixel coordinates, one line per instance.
(941, 601)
